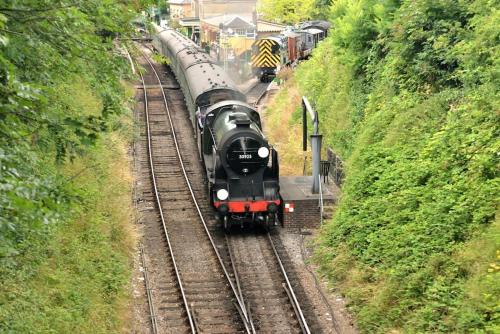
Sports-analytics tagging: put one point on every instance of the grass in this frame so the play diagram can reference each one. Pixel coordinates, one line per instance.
(282, 125)
(78, 282)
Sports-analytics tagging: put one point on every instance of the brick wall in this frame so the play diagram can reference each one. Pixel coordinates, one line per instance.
(305, 213)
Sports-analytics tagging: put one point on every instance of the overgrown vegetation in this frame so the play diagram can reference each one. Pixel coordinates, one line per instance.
(408, 94)
(293, 11)
(280, 125)
(64, 250)
(72, 276)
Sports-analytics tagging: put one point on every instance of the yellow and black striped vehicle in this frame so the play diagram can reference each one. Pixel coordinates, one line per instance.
(268, 55)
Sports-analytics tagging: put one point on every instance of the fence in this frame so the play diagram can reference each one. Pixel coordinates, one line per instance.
(335, 167)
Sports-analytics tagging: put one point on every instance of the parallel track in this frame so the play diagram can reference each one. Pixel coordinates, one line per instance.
(210, 293)
(199, 275)
(256, 93)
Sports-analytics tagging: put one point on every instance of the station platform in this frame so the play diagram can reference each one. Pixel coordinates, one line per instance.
(301, 208)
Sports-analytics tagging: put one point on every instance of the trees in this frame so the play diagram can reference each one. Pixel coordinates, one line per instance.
(60, 76)
(60, 82)
(61, 91)
(288, 11)
(407, 93)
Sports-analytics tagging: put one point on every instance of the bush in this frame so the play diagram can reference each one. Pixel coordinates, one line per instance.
(407, 94)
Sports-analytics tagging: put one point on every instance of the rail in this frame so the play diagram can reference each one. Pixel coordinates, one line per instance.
(160, 209)
(241, 304)
(289, 290)
(261, 95)
(152, 313)
(238, 285)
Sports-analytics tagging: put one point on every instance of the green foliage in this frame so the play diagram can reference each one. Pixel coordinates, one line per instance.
(47, 46)
(292, 11)
(72, 277)
(408, 94)
(61, 85)
(161, 59)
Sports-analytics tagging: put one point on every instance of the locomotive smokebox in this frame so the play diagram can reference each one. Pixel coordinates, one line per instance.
(244, 149)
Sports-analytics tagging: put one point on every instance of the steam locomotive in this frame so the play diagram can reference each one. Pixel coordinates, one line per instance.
(242, 168)
(272, 52)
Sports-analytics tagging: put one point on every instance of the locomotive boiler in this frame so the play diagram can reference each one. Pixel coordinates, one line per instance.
(241, 167)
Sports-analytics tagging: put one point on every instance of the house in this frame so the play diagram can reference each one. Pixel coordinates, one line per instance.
(180, 9)
(266, 28)
(211, 8)
(206, 17)
(235, 31)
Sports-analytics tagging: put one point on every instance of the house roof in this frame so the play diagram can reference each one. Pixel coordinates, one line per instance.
(189, 22)
(266, 26)
(314, 31)
(229, 21)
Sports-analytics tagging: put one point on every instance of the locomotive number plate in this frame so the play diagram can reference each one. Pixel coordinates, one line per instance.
(245, 156)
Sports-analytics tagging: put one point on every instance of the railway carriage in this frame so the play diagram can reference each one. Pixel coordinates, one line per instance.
(324, 26)
(241, 167)
(271, 53)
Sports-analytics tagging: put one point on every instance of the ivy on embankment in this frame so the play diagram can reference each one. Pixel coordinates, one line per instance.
(408, 94)
(64, 248)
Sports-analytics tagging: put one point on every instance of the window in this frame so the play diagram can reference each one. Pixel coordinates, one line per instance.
(240, 32)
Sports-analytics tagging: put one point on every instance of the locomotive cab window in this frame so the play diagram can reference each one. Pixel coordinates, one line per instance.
(275, 48)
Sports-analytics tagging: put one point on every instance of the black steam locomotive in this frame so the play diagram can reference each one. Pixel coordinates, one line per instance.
(241, 168)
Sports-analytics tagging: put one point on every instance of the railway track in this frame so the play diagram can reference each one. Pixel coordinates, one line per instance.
(191, 291)
(266, 285)
(197, 279)
(256, 93)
